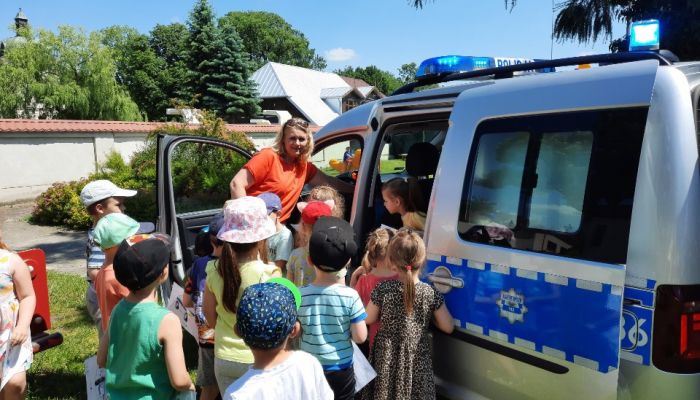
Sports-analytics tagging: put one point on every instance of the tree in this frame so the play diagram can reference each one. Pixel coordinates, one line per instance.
(268, 37)
(67, 75)
(407, 72)
(230, 92)
(384, 81)
(170, 44)
(138, 69)
(202, 36)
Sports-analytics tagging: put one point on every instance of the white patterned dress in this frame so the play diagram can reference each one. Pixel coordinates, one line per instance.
(13, 359)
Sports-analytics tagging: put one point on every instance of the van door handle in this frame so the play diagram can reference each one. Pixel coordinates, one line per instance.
(631, 302)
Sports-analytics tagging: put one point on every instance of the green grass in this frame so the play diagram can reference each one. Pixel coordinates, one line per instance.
(59, 373)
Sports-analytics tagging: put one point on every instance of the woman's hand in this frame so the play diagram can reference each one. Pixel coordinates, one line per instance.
(19, 335)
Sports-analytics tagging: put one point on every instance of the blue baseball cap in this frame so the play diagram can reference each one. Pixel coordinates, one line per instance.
(266, 315)
(272, 202)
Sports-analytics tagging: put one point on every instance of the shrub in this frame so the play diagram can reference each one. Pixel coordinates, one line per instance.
(198, 173)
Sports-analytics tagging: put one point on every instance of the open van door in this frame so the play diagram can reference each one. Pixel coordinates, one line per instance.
(531, 251)
(193, 175)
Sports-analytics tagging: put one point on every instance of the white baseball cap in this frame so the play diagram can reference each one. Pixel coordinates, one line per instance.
(101, 189)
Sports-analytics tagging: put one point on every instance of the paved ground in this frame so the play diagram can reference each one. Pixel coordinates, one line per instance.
(65, 249)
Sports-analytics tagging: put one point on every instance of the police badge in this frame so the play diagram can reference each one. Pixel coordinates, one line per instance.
(512, 306)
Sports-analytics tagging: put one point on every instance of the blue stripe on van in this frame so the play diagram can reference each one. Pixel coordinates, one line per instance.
(575, 320)
(645, 297)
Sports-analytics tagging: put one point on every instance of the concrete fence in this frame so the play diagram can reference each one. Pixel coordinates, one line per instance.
(37, 153)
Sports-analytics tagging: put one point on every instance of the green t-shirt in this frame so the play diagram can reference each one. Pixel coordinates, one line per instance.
(135, 360)
(227, 345)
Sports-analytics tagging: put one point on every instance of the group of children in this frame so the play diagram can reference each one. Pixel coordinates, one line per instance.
(261, 335)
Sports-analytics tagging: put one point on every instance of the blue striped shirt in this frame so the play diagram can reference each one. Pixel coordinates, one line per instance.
(325, 314)
(94, 254)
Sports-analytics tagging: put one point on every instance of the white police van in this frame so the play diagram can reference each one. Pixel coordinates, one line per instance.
(562, 218)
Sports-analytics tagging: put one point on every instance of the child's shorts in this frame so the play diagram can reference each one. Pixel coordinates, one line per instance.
(205, 367)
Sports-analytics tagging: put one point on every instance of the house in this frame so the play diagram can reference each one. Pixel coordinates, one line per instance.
(21, 21)
(316, 96)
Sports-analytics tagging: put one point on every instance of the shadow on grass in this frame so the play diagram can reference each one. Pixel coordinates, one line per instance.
(56, 386)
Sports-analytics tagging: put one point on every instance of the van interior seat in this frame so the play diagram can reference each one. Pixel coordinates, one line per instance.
(421, 163)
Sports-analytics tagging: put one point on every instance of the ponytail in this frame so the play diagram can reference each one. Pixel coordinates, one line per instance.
(229, 269)
(408, 191)
(377, 245)
(407, 253)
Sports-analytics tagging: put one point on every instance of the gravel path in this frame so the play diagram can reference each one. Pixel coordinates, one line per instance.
(65, 249)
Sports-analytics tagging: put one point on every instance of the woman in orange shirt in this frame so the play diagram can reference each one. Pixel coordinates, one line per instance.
(284, 168)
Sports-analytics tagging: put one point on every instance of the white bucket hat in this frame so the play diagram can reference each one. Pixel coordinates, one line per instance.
(101, 189)
(246, 221)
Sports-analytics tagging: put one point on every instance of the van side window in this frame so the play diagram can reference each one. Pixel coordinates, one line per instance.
(561, 184)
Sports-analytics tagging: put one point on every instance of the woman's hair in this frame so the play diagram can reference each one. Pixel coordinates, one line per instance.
(408, 191)
(301, 125)
(407, 253)
(228, 267)
(376, 247)
(323, 193)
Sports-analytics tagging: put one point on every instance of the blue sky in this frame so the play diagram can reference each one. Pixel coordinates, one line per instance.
(385, 33)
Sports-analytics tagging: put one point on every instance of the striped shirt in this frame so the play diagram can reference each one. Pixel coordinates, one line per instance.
(325, 314)
(94, 254)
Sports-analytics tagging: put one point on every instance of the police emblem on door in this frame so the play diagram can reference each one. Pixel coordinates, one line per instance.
(512, 306)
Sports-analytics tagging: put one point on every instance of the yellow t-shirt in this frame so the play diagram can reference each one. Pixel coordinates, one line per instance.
(227, 345)
(414, 220)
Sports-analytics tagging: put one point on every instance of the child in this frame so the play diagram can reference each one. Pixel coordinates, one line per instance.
(402, 350)
(298, 269)
(279, 245)
(375, 269)
(326, 193)
(246, 226)
(142, 349)
(332, 315)
(17, 302)
(404, 198)
(110, 231)
(193, 296)
(267, 319)
(99, 198)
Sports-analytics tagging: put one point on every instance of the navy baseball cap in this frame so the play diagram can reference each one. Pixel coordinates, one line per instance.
(272, 202)
(266, 315)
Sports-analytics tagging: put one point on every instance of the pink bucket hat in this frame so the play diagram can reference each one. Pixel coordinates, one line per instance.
(246, 221)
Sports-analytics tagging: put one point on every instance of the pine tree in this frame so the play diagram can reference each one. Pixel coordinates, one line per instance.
(203, 35)
(230, 92)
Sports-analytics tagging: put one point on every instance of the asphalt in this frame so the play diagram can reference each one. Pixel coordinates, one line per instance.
(65, 249)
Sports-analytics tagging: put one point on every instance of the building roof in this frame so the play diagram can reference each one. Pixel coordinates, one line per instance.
(21, 15)
(328, 93)
(79, 126)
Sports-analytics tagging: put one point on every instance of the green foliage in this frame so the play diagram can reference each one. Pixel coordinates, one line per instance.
(202, 34)
(407, 72)
(268, 37)
(67, 75)
(170, 43)
(230, 92)
(201, 175)
(60, 205)
(384, 81)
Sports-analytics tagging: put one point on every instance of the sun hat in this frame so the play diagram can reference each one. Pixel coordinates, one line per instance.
(246, 221)
(312, 211)
(140, 259)
(266, 315)
(332, 244)
(113, 228)
(272, 202)
(101, 189)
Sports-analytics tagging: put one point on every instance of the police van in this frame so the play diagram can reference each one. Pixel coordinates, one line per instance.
(562, 219)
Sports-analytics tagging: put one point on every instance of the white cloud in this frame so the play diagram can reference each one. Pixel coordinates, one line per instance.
(340, 54)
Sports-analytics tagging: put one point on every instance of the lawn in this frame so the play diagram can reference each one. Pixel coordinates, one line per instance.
(58, 373)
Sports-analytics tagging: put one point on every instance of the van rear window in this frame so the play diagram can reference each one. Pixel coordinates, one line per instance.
(558, 183)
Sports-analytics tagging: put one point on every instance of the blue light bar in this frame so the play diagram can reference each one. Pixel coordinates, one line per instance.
(645, 35)
(446, 65)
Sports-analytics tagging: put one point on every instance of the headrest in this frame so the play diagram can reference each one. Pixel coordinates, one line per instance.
(422, 159)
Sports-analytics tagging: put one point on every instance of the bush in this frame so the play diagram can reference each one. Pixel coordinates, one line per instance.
(198, 173)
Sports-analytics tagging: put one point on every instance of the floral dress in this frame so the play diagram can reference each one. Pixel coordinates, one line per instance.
(13, 359)
(402, 350)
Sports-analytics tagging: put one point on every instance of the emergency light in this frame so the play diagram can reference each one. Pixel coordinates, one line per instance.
(644, 35)
(446, 65)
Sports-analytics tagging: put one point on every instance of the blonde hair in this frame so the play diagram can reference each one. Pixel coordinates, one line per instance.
(300, 125)
(376, 247)
(323, 193)
(407, 253)
(3, 246)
